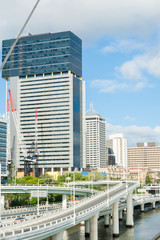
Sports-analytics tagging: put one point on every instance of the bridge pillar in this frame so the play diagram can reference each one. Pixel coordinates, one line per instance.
(154, 205)
(129, 218)
(57, 236)
(87, 228)
(115, 218)
(94, 227)
(64, 201)
(106, 220)
(120, 215)
(142, 207)
(2, 202)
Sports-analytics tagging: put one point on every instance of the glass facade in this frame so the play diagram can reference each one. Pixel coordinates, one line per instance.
(3, 146)
(77, 112)
(43, 54)
(45, 76)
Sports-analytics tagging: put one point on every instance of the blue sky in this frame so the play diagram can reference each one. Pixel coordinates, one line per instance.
(121, 56)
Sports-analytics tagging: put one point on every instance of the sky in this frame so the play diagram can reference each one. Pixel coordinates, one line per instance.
(121, 56)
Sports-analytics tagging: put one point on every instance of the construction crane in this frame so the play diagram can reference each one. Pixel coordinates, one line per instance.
(31, 155)
(33, 152)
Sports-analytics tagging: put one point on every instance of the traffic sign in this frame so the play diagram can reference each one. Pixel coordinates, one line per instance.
(141, 190)
(39, 193)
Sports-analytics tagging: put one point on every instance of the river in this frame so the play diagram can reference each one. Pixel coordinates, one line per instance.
(146, 226)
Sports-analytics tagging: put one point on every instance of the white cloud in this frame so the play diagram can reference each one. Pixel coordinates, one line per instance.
(135, 133)
(89, 19)
(129, 118)
(133, 75)
(124, 46)
(148, 62)
(113, 86)
(109, 86)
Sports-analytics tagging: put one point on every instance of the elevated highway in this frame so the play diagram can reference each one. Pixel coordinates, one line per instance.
(53, 224)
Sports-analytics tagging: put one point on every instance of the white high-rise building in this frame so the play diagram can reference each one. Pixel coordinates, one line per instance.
(119, 146)
(45, 74)
(95, 139)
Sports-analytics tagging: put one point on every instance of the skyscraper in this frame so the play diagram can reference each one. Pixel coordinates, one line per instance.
(3, 146)
(45, 74)
(95, 139)
(119, 146)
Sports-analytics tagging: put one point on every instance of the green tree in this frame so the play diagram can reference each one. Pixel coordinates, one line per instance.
(148, 179)
(12, 174)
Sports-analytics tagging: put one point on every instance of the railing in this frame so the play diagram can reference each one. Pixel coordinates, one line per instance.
(90, 210)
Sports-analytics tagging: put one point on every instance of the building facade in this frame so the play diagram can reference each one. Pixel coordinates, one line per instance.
(3, 146)
(145, 155)
(110, 156)
(118, 144)
(95, 140)
(45, 74)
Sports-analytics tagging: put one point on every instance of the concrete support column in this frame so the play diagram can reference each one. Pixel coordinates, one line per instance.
(142, 207)
(106, 220)
(115, 218)
(57, 236)
(129, 218)
(64, 201)
(61, 171)
(52, 169)
(120, 215)
(94, 227)
(87, 228)
(154, 205)
(2, 202)
(43, 170)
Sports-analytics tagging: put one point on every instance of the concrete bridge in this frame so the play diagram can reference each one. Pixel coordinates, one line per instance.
(54, 223)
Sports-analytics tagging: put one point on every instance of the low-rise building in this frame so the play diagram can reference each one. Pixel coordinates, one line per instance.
(145, 155)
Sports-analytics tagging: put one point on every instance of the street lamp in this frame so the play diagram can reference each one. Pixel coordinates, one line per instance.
(38, 195)
(74, 210)
(108, 187)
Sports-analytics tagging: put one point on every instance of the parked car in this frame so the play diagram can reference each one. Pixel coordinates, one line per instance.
(20, 219)
(1, 224)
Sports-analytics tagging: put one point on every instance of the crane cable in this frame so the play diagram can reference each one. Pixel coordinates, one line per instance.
(13, 45)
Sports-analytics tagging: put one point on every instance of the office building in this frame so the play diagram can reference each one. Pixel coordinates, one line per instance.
(3, 146)
(110, 156)
(95, 139)
(118, 144)
(145, 155)
(45, 74)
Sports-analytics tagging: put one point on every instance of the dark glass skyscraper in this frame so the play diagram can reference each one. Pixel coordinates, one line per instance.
(45, 53)
(45, 73)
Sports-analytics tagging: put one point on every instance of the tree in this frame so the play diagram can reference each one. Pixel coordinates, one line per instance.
(148, 179)
(12, 174)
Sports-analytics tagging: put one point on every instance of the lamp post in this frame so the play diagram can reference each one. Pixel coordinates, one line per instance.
(74, 210)
(38, 194)
(108, 187)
